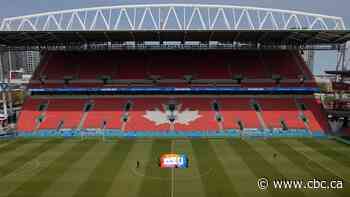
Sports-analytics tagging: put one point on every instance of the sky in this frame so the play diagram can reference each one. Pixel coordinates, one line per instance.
(324, 60)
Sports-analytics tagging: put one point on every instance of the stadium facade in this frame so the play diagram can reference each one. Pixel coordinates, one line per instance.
(173, 70)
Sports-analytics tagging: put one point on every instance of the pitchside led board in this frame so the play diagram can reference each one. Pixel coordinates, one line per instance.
(174, 161)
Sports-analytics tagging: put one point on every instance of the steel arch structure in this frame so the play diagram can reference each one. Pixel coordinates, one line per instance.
(172, 17)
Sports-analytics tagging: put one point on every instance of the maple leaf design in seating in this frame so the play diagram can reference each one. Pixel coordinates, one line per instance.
(163, 117)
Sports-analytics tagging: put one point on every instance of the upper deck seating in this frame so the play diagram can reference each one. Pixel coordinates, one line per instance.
(169, 68)
(90, 67)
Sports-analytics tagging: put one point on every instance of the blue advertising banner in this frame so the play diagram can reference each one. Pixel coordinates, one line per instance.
(170, 90)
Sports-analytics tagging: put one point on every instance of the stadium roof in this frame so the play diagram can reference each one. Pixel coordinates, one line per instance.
(172, 16)
(285, 37)
(333, 72)
(268, 37)
(173, 22)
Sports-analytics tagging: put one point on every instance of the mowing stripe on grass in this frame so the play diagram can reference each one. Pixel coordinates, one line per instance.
(7, 141)
(340, 147)
(187, 181)
(99, 181)
(260, 167)
(327, 151)
(78, 173)
(300, 160)
(297, 163)
(157, 181)
(4, 143)
(29, 155)
(19, 151)
(23, 174)
(129, 175)
(335, 143)
(13, 145)
(216, 183)
(172, 191)
(244, 178)
(312, 161)
(46, 177)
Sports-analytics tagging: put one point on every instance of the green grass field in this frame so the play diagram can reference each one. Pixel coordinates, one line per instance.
(218, 167)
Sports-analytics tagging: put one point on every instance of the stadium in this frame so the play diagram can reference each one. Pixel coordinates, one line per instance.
(176, 100)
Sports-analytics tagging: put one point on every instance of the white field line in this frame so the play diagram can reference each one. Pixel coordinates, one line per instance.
(172, 173)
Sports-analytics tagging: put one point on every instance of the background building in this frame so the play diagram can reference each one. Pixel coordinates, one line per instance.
(19, 60)
(31, 61)
(309, 56)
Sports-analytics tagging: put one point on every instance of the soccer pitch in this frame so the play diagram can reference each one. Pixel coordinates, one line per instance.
(217, 167)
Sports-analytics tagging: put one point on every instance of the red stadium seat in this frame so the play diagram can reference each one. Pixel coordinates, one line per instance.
(136, 68)
(29, 114)
(69, 111)
(276, 109)
(206, 121)
(105, 110)
(89, 67)
(238, 109)
(137, 121)
(317, 118)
